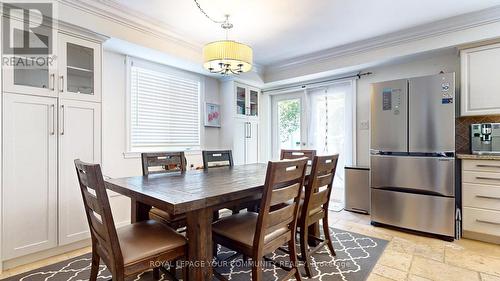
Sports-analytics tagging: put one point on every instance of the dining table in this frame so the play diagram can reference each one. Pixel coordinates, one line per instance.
(196, 193)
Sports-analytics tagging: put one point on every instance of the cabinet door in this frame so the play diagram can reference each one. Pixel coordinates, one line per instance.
(253, 102)
(79, 138)
(252, 143)
(240, 132)
(29, 195)
(240, 100)
(32, 74)
(79, 69)
(480, 84)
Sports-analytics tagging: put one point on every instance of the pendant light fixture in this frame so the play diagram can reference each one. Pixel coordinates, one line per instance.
(226, 56)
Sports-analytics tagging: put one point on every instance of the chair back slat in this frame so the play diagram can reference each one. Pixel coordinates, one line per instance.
(295, 154)
(163, 162)
(280, 199)
(217, 158)
(319, 187)
(98, 212)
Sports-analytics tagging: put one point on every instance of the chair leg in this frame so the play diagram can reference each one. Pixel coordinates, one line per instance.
(173, 268)
(292, 246)
(328, 238)
(304, 250)
(94, 269)
(184, 273)
(256, 270)
(156, 273)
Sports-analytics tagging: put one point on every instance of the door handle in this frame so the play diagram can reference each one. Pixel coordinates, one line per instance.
(487, 178)
(61, 80)
(487, 166)
(488, 197)
(52, 81)
(488, 222)
(62, 119)
(53, 109)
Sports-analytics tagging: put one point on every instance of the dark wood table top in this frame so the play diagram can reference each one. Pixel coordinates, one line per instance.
(179, 193)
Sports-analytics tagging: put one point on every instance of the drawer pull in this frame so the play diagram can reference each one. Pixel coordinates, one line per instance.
(487, 178)
(487, 166)
(488, 222)
(488, 197)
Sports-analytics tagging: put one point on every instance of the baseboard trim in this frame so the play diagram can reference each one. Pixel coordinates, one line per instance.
(481, 237)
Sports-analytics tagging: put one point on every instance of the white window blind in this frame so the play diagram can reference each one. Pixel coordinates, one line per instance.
(164, 110)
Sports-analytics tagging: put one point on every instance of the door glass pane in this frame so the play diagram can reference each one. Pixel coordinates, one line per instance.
(80, 69)
(254, 100)
(30, 70)
(240, 100)
(289, 124)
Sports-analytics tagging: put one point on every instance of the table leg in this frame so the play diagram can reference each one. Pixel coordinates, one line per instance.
(314, 231)
(139, 211)
(199, 234)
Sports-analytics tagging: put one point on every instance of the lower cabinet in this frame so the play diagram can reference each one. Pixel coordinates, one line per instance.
(481, 200)
(245, 142)
(79, 138)
(29, 194)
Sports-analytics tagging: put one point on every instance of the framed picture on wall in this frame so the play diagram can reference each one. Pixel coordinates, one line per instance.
(212, 115)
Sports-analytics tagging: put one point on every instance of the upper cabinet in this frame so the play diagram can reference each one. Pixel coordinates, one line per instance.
(79, 68)
(246, 101)
(480, 88)
(74, 73)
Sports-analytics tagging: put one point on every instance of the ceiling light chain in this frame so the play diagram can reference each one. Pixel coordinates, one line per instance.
(205, 13)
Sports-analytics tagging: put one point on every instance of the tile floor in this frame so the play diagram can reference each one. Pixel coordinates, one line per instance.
(407, 256)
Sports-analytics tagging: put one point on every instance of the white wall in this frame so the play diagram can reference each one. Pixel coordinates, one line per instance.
(417, 66)
(114, 126)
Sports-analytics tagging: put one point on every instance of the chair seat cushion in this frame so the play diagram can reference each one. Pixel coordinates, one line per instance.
(147, 239)
(241, 228)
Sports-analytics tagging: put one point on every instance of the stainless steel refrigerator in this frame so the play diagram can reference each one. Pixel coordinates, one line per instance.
(413, 154)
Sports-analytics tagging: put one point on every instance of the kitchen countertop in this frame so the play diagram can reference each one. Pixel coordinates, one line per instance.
(478, 157)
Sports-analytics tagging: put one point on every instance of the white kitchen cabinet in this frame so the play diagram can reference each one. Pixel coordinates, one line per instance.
(480, 88)
(481, 200)
(246, 101)
(79, 67)
(79, 138)
(29, 195)
(240, 121)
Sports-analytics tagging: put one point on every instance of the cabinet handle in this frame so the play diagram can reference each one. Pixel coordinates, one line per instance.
(489, 222)
(61, 80)
(487, 178)
(52, 82)
(53, 129)
(487, 166)
(488, 197)
(62, 119)
(250, 130)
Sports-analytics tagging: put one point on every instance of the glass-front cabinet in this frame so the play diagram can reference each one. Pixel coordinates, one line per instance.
(79, 68)
(31, 70)
(247, 101)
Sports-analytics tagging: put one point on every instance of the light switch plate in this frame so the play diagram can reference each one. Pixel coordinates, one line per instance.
(364, 125)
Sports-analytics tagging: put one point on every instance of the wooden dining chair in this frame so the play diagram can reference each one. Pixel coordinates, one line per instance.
(217, 158)
(314, 206)
(160, 163)
(256, 235)
(128, 250)
(297, 153)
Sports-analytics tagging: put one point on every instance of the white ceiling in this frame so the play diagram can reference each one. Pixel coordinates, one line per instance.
(282, 29)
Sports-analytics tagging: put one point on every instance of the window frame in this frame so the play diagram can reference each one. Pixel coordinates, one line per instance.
(132, 152)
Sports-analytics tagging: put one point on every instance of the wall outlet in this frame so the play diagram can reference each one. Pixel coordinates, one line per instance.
(364, 125)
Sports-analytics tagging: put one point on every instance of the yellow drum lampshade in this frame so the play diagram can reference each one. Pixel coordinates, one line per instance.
(227, 57)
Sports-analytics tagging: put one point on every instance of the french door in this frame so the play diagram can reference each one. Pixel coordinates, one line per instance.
(323, 119)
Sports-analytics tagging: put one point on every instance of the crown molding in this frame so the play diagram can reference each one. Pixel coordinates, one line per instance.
(117, 13)
(437, 28)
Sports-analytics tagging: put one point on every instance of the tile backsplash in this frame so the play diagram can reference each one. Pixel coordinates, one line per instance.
(462, 130)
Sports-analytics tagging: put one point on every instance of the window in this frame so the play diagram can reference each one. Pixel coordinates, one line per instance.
(164, 109)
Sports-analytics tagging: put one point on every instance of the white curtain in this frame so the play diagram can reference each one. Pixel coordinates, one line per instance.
(330, 123)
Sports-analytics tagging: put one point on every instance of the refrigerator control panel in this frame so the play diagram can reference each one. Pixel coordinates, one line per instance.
(391, 100)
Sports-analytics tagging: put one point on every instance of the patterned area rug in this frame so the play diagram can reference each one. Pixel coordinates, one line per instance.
(356, 256)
